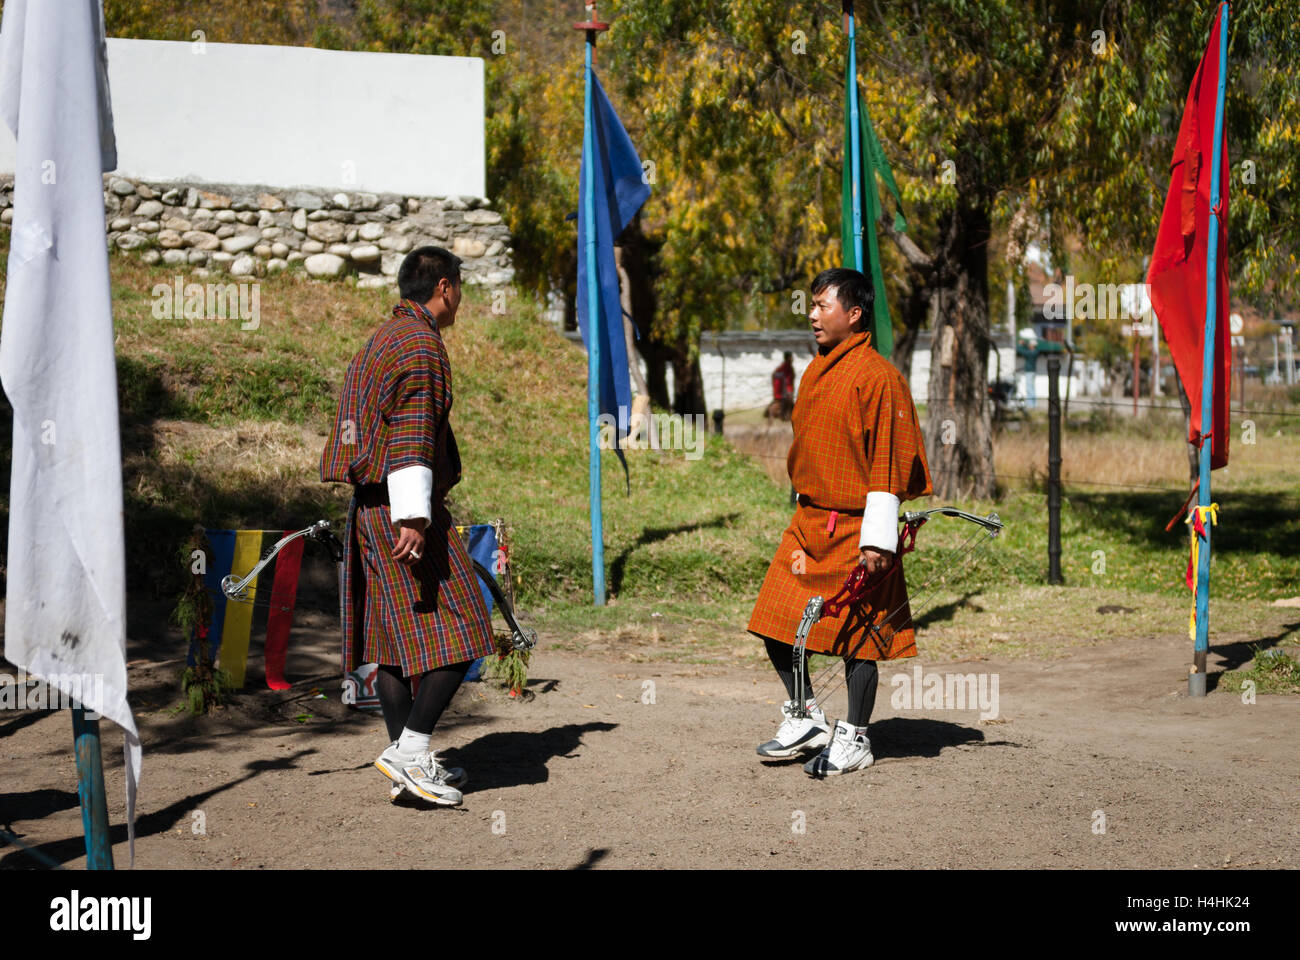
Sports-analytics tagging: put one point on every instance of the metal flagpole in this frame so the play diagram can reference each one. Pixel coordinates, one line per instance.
(855, 140)
(90, 789)
(1054, 470)
(1196, 679)
(592, 26)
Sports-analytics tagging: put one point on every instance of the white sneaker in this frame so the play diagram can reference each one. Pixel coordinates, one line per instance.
(421, 775)
(797, 734)
(455, 777)
(848, 750)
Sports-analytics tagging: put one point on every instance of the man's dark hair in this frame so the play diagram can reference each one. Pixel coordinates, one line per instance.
(422, 269)
(852, 289)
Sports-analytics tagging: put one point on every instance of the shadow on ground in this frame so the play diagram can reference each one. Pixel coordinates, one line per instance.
(149, 824)
(1261, 521)
(1237, 654)
(899, 738)
(654, 535)
(515, 758)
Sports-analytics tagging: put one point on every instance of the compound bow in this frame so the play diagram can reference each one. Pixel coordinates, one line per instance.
(859, 583)
(236, 588)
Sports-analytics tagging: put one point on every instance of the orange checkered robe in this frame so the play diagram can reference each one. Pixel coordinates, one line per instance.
(855, 431)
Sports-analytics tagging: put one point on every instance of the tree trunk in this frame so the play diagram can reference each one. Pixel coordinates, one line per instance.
(916, 309)
(638, 261)
(688, 384)
(570, 311)
(656, 369)
(958, 429)
(629, 327)
(1193, 454)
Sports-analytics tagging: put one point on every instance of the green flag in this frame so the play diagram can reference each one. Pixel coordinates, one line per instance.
(873, 162)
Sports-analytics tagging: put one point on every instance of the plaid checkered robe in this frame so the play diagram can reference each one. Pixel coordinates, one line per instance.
(393, 414)
(855, 431)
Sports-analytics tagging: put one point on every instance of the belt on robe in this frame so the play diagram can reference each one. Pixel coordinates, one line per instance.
(376, 494)
(806, 501)
(372, 494)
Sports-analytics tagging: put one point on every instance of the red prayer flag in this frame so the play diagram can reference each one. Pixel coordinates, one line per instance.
(284, 591)
(1176, 277)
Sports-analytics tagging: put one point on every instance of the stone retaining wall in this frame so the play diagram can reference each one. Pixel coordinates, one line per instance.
(252, 231)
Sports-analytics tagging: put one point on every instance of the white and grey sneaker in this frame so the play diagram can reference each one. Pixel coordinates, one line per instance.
(455, 777)
(848, 750)
(420, 775)
(797, 734)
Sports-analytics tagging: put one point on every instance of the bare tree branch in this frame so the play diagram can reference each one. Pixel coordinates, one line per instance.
(913, 254)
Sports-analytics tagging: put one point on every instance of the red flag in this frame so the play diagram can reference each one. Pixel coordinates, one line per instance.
(1176, 277)
(284, 590)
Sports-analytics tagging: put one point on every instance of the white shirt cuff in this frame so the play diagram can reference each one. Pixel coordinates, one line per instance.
(410, 492)
(880, 522)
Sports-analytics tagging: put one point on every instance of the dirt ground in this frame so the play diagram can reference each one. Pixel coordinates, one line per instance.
(584, 773)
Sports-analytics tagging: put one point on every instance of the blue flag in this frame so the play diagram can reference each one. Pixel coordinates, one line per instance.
(619, 193)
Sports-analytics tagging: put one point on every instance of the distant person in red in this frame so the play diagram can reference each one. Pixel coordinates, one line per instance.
(782, 389)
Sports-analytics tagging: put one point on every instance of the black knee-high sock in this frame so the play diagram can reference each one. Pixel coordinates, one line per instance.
(782, 657)
(394, 697)
(862, 677)
(437, 687)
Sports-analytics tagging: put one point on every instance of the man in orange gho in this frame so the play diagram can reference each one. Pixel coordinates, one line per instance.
(857, 454)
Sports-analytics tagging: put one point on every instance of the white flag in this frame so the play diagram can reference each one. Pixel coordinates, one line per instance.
(66, 597)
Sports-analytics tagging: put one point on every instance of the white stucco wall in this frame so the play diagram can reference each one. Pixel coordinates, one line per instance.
(1086, 378)
(737, 370)
(293, 116)
(920, 377)
(741, 378)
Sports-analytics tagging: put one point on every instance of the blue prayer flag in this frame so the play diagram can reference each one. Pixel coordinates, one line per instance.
(619, 191)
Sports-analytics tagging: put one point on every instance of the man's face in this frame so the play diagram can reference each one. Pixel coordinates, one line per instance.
(831, 323)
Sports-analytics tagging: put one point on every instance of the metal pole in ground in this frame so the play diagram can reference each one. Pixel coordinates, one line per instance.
(589, 152)
(90, 789)
(1238, 352)
(1054, 470)
(1196, 680)
(1155, 357)
(1241, 378)
(1137, 368)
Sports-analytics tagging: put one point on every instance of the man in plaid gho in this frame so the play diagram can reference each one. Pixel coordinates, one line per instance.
(411, 601)
(857, 454)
